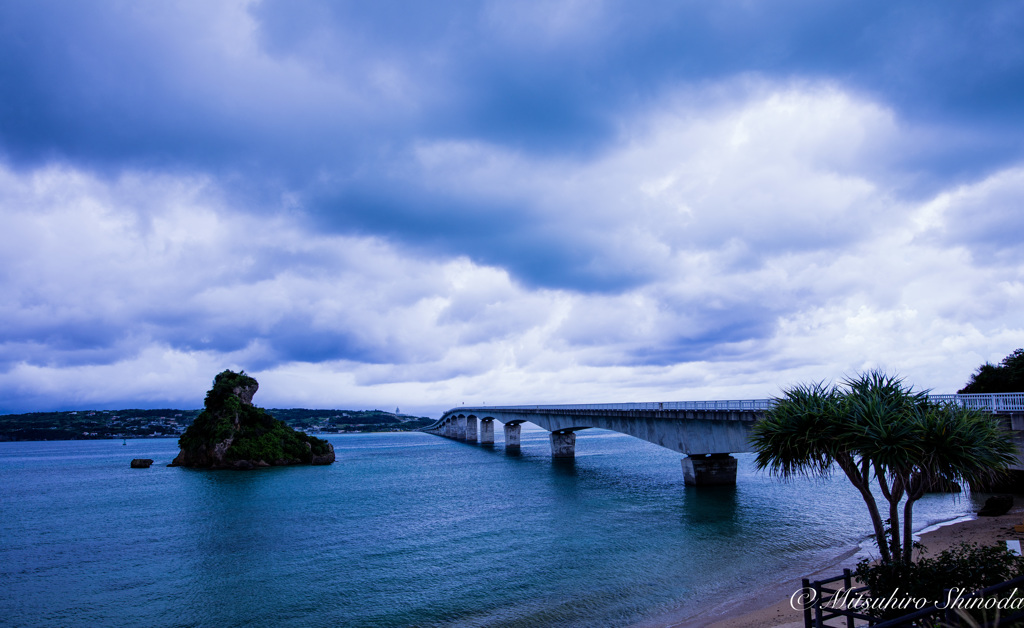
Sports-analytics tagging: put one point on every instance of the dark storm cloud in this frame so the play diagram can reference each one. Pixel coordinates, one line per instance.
(515, 77)
(113, 85)
(497, 232)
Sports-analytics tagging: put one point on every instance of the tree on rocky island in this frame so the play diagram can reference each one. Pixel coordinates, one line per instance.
(1006, 377)
(231, 433)
(875, 428)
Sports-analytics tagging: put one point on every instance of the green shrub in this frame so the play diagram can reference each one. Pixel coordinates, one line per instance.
(967, 567)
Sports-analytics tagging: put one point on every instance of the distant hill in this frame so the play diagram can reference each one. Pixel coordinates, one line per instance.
(136, 423)
(341, 421)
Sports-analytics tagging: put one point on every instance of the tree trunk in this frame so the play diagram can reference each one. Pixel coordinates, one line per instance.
(860, 480)
(908, 521)
(892, 495)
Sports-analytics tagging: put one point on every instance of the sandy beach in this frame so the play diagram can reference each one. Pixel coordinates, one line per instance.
(771, 608)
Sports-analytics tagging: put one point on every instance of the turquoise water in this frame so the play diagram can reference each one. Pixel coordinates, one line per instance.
(405, 529)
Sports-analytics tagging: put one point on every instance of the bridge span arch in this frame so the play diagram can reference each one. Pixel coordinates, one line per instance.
(707, 432)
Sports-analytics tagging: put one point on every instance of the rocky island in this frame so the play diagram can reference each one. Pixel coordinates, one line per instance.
(231, 433)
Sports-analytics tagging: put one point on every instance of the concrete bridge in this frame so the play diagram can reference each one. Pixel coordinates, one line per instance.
(708, 432)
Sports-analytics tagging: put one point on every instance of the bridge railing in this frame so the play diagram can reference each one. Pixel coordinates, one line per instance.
(744, 404)
(999, 402)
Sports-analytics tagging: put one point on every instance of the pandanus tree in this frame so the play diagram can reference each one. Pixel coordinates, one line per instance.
(879, 431)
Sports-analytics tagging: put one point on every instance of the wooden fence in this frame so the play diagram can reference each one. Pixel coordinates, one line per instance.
(831, 604)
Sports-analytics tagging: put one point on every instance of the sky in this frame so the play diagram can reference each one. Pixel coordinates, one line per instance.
(422, 205)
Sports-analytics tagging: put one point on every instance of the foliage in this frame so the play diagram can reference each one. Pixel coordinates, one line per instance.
(876, 428)
(224, 386)
(1008, 376)
(209, 428)
(262, 437)
(967, 567)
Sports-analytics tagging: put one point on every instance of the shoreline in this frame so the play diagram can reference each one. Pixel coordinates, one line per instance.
(724, 614)
(769, 607)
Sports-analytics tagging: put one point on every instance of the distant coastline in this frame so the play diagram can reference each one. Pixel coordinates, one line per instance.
(170, 423)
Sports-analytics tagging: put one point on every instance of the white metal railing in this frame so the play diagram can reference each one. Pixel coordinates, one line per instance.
(999, 402)
(744, 404)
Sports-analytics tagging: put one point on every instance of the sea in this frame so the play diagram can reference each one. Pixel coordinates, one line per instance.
(406, 529)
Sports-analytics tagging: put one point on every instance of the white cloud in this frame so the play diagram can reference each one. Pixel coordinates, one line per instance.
(783, 169)
(770, 251)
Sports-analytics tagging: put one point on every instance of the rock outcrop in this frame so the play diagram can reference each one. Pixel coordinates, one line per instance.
(141, 463)
(231, 433)
(996, 506)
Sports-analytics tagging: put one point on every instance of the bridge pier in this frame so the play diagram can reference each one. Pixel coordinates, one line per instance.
(486, 431)
(512, 436)
(709, 470)
(471, 428)
(692, 428)
(563, 444)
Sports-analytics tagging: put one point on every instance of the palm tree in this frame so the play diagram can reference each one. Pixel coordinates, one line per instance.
(876, 428)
